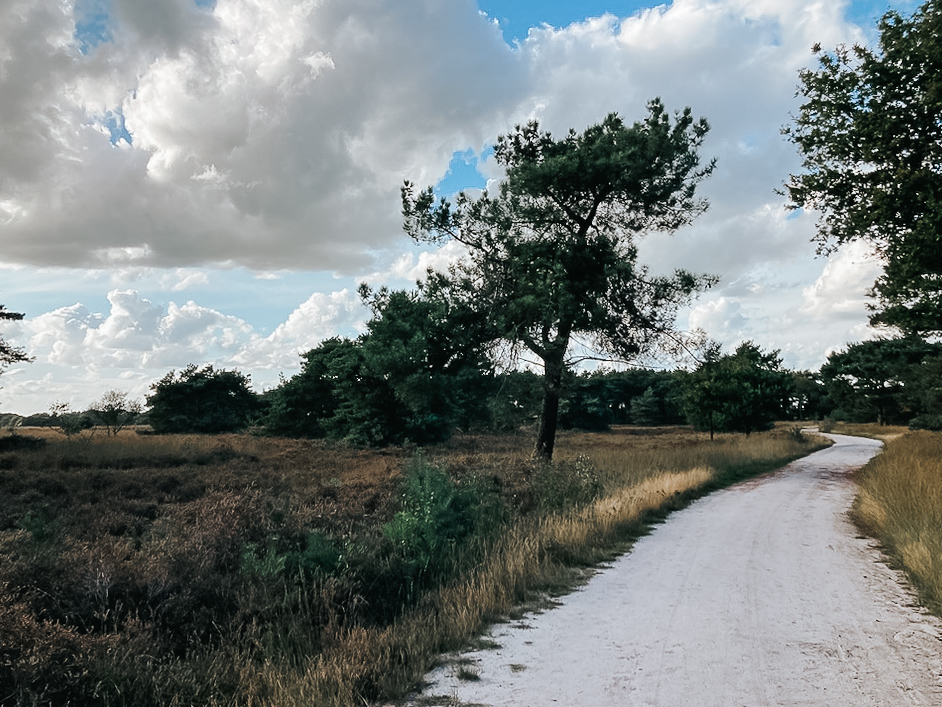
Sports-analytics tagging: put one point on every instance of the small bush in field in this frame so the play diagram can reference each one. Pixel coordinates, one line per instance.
(39, 525)
(434, 516)
(266, 565)
(201, 400)
(926, 422)
(319, 555)
(566, 484)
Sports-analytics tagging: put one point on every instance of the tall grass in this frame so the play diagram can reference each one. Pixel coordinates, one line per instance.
(899, 502)
(232, 570)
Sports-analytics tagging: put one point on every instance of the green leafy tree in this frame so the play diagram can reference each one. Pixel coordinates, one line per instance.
(809, 396)
(587, 402)
(419, 371)
(599, 399)
(433, 349)
(307, 404)
(552, 256)
(646, 408)
(924, 387)
(69, 423)
(202, 400)
(114, 411)
(870, 381)
(338, 395)
(740, 392)
(870, 136)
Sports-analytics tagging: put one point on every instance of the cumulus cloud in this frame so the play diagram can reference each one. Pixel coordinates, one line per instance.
(721, 318)
(413, 267)
(138, 334)
(840, 292)
(274, 133)
(263, 133)
(320, 317)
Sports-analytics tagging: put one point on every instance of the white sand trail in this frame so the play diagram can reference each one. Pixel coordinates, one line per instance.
(762, 594)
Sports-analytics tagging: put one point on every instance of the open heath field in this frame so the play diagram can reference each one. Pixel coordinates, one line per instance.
(140, 569)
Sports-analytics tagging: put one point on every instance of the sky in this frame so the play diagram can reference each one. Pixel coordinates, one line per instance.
(208, 181)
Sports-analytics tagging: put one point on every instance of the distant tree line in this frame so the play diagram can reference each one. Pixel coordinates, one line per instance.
(398, 384)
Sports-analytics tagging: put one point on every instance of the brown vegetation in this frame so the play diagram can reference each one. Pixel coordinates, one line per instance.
(232, 569)
(899, 502)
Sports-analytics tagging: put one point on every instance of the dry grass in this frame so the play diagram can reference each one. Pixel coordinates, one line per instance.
(900, 503)
(152, 570)
(645, 474)
(865, 429)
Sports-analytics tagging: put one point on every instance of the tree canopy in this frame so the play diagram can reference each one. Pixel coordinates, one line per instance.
(201, 400)
(420, 371)
(552, 256)
(871, 137)
(880, 380)
(115, 411)
(745, 391)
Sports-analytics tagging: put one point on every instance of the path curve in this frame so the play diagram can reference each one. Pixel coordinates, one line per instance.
(761, 594)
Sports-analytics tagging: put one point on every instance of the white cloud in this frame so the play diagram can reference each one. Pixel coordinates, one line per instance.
(268, 134)
(182, 279)
(275, 134)
(721, 318)
(840, 290)
(412, 267)
(59, 336)
(138, 341)
(136, 333)
(320, 317)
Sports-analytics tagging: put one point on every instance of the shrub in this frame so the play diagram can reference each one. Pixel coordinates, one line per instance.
(15, 443)
(436, 516)
(926, 422)
(115, 411)
(565, 484)
(201, 400)
(433, 516)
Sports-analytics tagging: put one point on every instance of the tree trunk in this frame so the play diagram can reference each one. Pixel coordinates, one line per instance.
(549, 415)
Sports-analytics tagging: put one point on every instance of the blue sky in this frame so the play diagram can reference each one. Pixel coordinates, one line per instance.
(516, 18)
(208, 181)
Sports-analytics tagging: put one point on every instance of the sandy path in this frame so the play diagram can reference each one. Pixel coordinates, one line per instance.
(758, 595)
